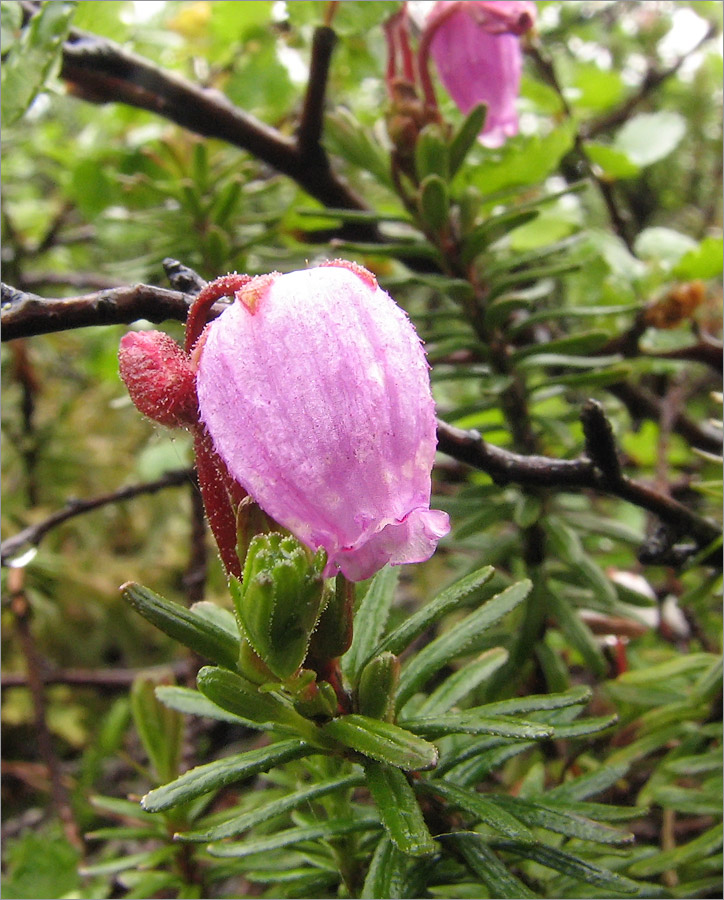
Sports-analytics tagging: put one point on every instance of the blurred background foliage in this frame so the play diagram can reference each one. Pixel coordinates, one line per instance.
(97, 195)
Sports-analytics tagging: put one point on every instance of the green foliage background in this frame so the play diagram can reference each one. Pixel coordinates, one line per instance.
(96, 195)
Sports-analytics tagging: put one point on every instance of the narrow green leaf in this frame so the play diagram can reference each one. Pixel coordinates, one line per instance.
(332, 828)
(483, 863)
(434, 204)
(259, 814)
(536, 702)
(672, 668)
(159, 728)
(705, 845)
(382, 741)
(378, 685)
(584, 727)
(472, 723)
(599, 812)
(457, 640)
(431, 153)
(235, 694)
(386, 873)
(570, 865)
(184, 625)
(32, 58)
(585, 786)
(462, 682)
(221, 772)
(144, 860)
(539, 815)
(577, 632)
(481, 806)
(398, 808)
(446, 601)
(466, 136)
(193, 703)
(492, 230)
(370, 620)
(582, 342)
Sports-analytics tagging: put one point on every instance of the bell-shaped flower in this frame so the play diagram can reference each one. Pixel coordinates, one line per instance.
(314, 388)
(477, 53)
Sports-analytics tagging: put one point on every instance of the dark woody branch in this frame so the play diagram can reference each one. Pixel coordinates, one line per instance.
(601, 473)
(33, 534)
(100, 71)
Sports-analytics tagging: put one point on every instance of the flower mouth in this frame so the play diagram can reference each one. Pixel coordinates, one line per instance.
(410, 539)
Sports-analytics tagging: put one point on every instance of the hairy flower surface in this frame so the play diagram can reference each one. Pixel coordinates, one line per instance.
(478, 57)
(315, 390)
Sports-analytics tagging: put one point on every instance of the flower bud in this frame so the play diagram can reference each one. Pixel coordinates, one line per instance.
(314, 388)
(159, 377)
(278, 600)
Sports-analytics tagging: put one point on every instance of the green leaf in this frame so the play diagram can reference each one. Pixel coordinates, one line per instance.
(32, 59)
(663, 245)
(648, 137)
(193, 703)
(446, 601)
(466, 136)
(386, 873)
(184, 625)
(327, 830)
(524, 160)
(462, 682)
(266, 811)
(431, 154)
(160, 728)
(378, 685)
(457, 640)
(214, 775)
(147, 859)
(471, 722)
(483, 863)
(596, 782)
(705, 261)
(539, 815)
(536, 702)
(434, 204)
(369, 621)
(701, 847)
(382, 741)
(614, 164)
(577, 632)
(235, 694)
(398, 808)
(492, 229)
(585, 727)
(570, 865)
(481, 806)
(346, 137)
(583, 342)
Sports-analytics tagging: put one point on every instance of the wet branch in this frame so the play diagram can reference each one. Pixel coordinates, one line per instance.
(583, 473)
(33, 534)
(101, 71)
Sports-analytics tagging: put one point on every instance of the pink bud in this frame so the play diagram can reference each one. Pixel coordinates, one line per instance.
(315, 390)
(159, 377)
(478, 57)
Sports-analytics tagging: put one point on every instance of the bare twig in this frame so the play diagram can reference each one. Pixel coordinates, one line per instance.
(101, 71)
(33, 534)
(25, 314)
(103, 679)
(577, 474)
(309, 133)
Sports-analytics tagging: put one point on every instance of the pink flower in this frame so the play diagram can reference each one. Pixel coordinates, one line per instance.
(315, 391)
(478, 57)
